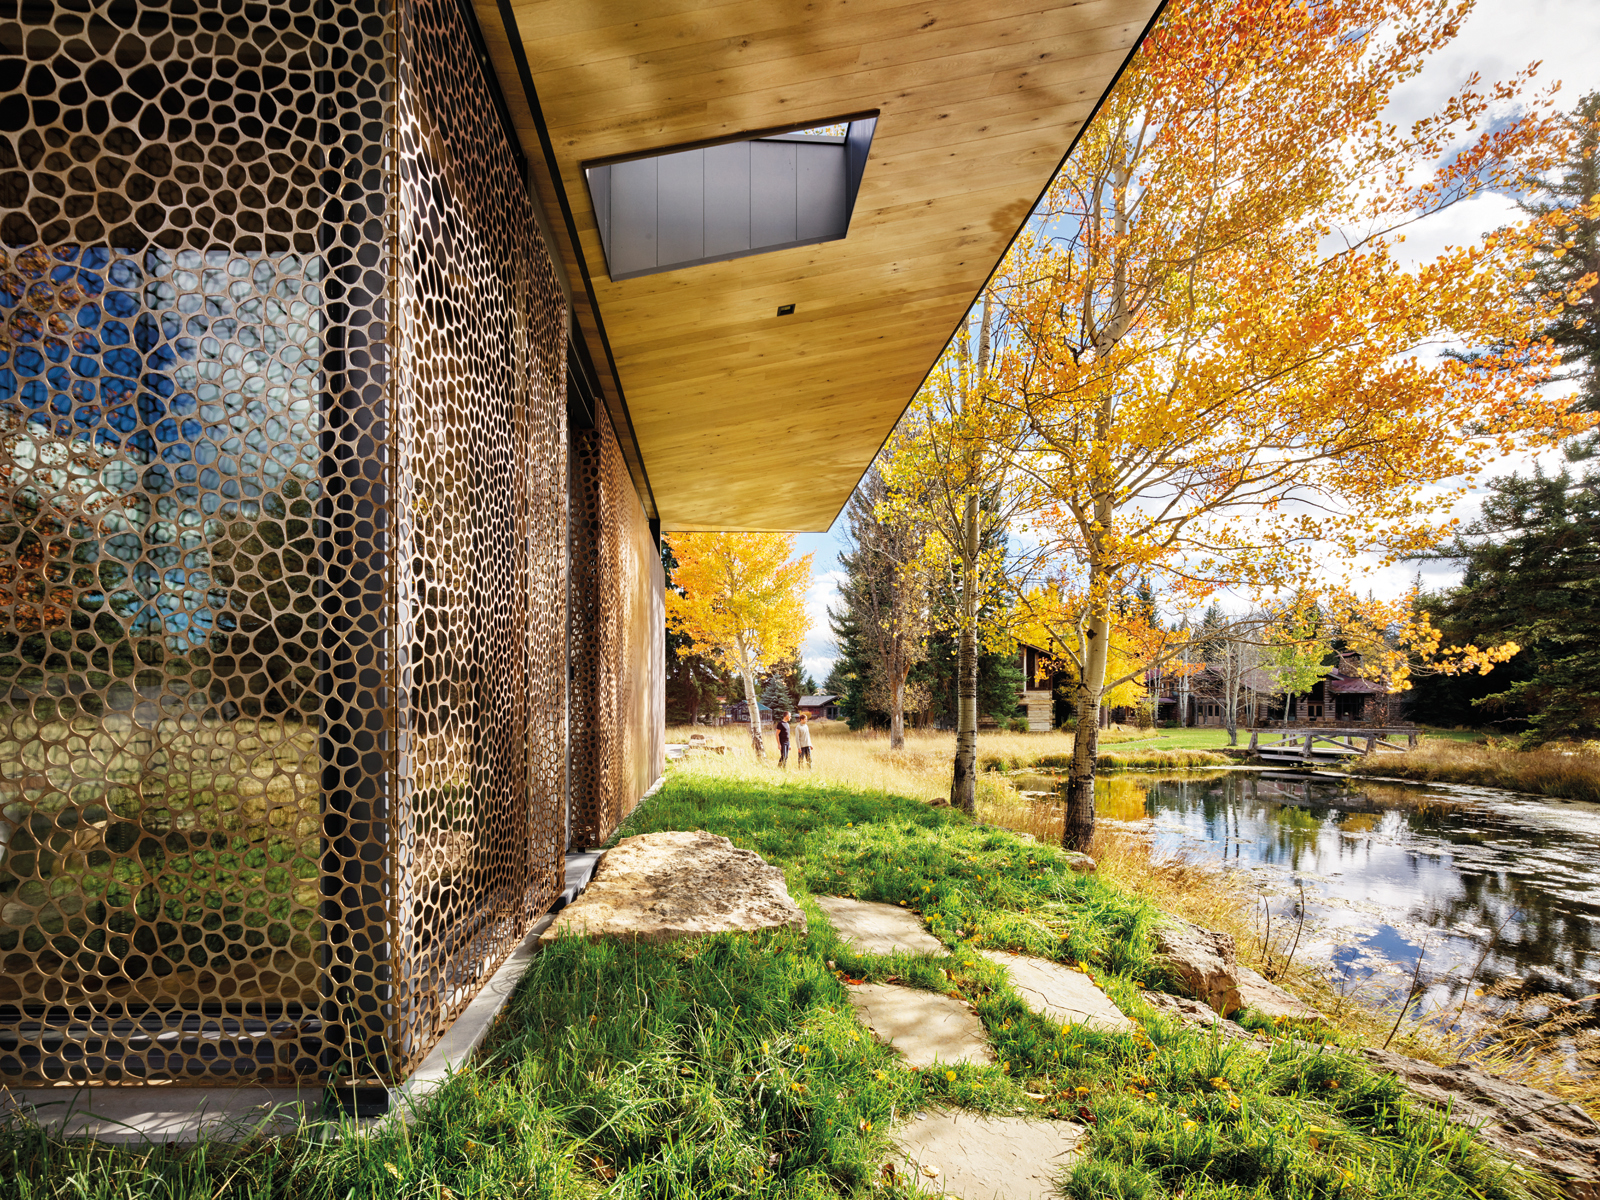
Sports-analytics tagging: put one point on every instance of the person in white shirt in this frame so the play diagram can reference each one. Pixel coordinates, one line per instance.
(802, 741)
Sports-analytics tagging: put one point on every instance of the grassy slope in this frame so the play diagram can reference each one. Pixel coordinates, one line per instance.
(731, 1066)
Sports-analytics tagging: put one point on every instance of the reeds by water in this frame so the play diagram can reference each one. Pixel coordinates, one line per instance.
(1568, 770)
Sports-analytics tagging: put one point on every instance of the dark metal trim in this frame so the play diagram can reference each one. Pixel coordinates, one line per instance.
(1082, 129)
(621, 417)
(749, 135)
(480, 51)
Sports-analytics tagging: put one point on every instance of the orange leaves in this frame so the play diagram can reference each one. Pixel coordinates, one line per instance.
(1228, 368)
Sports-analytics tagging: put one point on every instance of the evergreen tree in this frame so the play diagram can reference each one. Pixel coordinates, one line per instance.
(838, 680)
(885, 593)
(1561, 264)
(852, 672)
(1532, 576)
(775, 695)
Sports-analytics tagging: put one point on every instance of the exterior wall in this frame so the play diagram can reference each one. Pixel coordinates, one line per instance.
(1040, 703)
(616, 643)
(282, 490)
(480, 466)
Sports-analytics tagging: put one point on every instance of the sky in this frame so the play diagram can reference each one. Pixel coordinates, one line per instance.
(1499, 38)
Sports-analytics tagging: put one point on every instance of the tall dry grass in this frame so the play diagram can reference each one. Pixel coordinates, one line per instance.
(863, 761)
(1569, 770)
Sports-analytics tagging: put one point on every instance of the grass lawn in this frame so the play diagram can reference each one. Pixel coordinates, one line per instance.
(731, 1066)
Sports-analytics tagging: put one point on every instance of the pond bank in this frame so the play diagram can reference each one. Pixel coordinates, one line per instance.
(1481, 908)
(1569, 772)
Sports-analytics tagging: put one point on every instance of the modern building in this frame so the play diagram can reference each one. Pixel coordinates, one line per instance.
(353, 355)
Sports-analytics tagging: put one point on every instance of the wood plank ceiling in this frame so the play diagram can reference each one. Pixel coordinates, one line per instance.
(748, 420)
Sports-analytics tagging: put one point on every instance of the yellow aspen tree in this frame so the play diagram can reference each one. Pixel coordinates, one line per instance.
(1231, 377)
(741, 600)
(952, 462)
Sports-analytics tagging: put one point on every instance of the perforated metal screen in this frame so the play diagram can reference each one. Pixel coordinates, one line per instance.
(282, 488)
(617, 640)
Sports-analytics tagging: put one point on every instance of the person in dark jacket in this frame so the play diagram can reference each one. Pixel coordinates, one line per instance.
(780, 724)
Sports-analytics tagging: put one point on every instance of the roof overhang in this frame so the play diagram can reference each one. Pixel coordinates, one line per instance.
(732, 416)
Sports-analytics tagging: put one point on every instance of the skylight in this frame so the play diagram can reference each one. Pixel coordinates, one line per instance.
(713, 203)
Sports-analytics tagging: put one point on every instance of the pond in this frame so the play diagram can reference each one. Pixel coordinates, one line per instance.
(1489, 886)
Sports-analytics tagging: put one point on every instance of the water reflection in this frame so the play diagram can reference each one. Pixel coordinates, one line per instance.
(1388, 869)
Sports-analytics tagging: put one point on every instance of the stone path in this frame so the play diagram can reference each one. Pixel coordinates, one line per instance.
(659, 886)
(879, 928)
(1066, 996)
(924, 1027)
(987, 1158)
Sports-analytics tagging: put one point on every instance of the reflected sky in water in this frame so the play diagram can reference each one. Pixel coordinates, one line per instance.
(1383, 878)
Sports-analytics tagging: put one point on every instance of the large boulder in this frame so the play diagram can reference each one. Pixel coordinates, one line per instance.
(1530, 1126)
(1260, 994)
(1207, 964)
(1204, 961)
(660, 886)
(1198, 1016)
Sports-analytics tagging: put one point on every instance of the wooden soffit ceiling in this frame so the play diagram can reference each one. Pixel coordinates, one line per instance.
(748, 420)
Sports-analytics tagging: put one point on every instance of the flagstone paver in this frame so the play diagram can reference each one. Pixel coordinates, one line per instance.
(924, 1027)
(879, 928)
(658, 886)
(987, 1158)
(1060, 993)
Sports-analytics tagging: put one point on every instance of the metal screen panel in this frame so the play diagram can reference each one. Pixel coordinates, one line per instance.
(281, 489)
(481, 459)
(617, 641)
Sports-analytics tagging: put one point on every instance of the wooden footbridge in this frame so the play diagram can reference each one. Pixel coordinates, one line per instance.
(1330, 745)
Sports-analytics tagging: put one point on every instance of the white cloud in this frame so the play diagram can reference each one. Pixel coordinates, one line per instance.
(1497, 40)
(819, 652)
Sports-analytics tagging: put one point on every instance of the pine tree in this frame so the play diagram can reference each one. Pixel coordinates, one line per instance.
(1532, 576)
(885, 594)
(1563, 261)
(775, 695)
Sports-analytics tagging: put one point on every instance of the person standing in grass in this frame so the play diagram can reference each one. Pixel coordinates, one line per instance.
(802, 742)
(780, 726)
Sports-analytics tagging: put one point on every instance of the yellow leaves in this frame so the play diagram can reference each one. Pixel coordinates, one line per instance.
(739, 596)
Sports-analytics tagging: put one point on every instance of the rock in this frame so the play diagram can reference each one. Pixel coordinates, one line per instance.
(659, 886)
(1081, 863)
(1529, 1126)
(1066, 996)
(985, 1158)
(1206, 962)
(923, 1026)
(1267, 998)
(1193, 1013)
(873, 928)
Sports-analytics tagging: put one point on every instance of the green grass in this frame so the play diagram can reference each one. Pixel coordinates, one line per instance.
(731, 1066)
